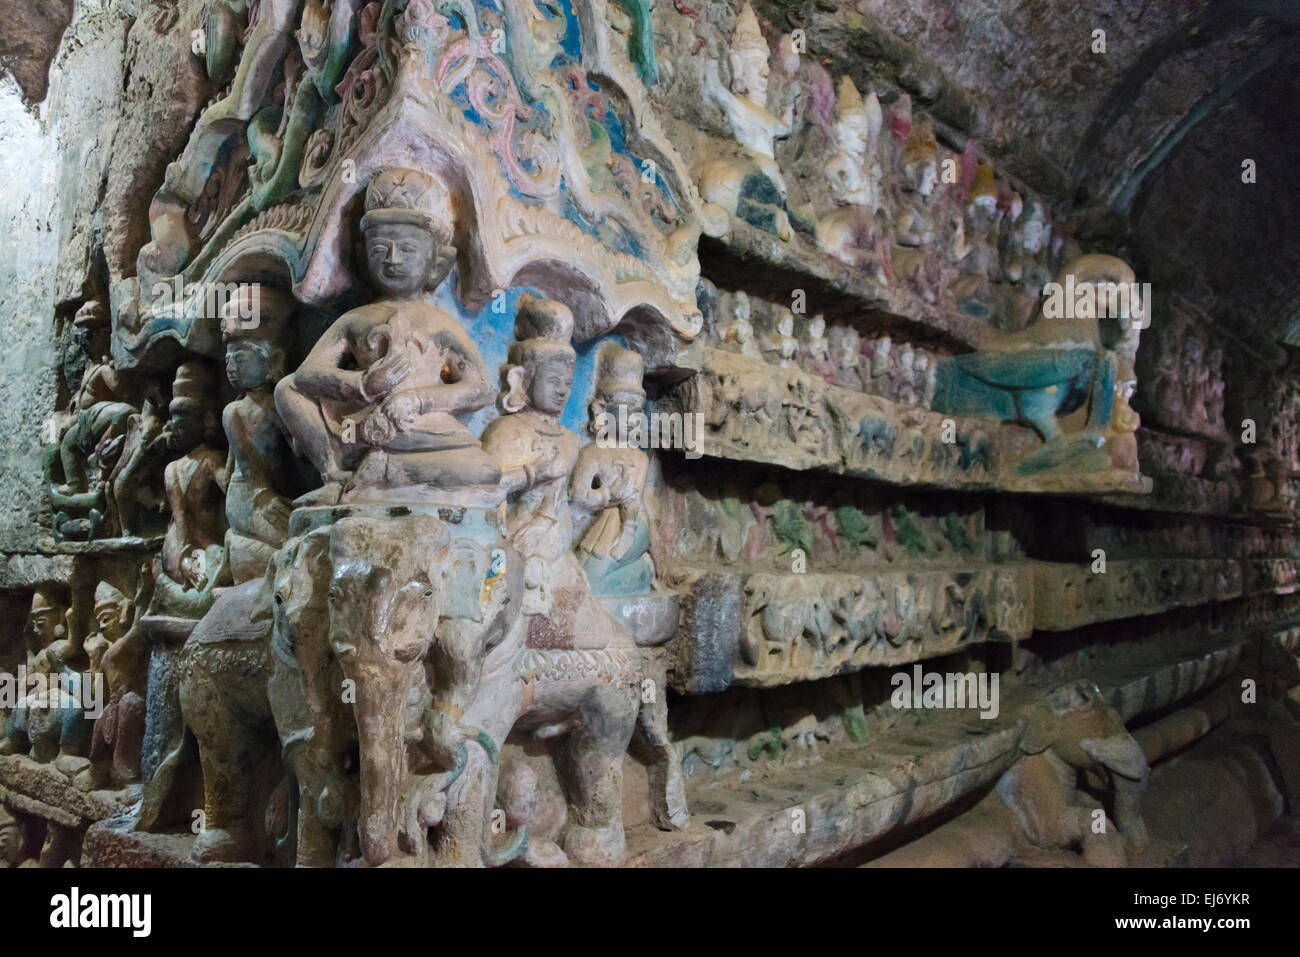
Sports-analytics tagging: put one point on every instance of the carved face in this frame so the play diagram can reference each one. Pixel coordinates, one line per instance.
(400, 257)
(248, 365)
(919, 176)
(186, 427)
(750, 72)
(109, 620)
(549, 383)
(852, 131)
(1035, 234)
(45, 626)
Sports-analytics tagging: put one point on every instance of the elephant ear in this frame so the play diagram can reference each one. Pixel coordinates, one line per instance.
(1119, 753)
(1044, 727)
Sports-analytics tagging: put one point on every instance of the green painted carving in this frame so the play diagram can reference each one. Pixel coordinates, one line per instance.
(956, 528)
(641, 44)
(911, 538)
(855, 528)
(277, 158)
(791, 528)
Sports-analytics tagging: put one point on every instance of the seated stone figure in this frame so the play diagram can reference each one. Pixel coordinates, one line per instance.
(376, 406)
(750, 185)
(1054, 367)
(607, 483)
(536, 455)
(50, 724)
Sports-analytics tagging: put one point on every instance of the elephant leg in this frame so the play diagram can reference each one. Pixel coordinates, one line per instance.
(231, 744)
(1036, 791)
(650, 746)
(317, 832)
(458, 840)
(62, 844)
(590, 763)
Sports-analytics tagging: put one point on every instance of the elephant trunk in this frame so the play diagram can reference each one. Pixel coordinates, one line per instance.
(380, 731)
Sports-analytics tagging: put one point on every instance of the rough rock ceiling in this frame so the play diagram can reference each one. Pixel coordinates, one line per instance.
(30, 39)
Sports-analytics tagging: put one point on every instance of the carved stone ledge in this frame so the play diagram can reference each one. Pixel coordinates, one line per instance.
(858, 795)
(43, 790)
(1277, 576)
(764, 630)
(757, 412)
(1179, 494)
(1072, 596)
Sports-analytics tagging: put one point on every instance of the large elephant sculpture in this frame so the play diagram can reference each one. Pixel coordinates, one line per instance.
(434, 706)
(1074, 732)
(358, 605)
(321, 660)
(386, 657)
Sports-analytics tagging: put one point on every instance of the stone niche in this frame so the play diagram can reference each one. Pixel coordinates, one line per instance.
(536, 435)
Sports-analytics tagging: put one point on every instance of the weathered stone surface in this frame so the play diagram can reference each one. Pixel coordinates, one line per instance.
(708, 435)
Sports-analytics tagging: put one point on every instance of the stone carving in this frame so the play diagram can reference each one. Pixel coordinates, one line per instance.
(607, 484)
(49, 724)
(119, 654)
(750, 185)
(1182, 376)
(377, 405)
(755, 412)
(536, 455)
(797, 627)
(193, 558)
(383, 610)
(853, 177)
(261, 466)
(1053, 367)
(89, 434)
(1075, 730)
(976, 249)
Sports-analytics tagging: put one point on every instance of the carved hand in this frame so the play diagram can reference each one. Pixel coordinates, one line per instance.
(385, 376)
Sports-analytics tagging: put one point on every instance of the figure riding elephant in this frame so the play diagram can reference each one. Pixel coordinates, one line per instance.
(434, 707)
(394, 672)
(1072, 732)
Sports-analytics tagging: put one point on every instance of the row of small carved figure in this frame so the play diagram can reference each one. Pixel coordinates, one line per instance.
(832, 625)
(838, 353)
(827, 536)
(82, 704)
(1142, 585)
(1185, 376)
(868, 181)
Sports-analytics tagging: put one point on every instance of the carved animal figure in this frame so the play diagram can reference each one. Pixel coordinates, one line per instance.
(1075, 730)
